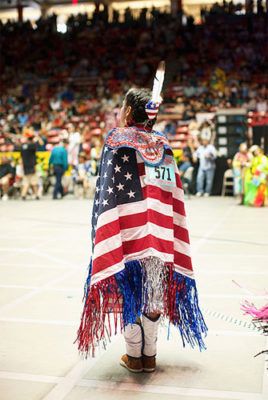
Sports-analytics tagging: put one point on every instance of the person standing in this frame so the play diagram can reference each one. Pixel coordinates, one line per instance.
(28, 155)
(256, 183)
(140, 267)
(206, 154)
(59, 160)
(241, 161)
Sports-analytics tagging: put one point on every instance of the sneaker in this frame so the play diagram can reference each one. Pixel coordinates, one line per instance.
(149, 363)
(199, 194)
(206, 195)
(132, 364)
(5, 197)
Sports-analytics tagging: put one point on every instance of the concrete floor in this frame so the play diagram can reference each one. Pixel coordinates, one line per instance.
(44, 253)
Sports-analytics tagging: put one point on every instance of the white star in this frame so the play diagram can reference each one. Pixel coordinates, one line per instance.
(105, 149)
(105, 175)
(117, 168)
(131, 194)
(97, 202)
(109, 162)
(120, 186)
(114, 151)
(96, 215)
(128, 176)
(105, 202)
(113, 179)
(97, 189)
(110, 190)
(125, 158)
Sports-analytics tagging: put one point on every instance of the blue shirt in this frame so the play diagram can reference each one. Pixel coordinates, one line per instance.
(59, 156)
(201, 152)
(185, 166)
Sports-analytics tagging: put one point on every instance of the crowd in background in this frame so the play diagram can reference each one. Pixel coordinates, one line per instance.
(70, 86)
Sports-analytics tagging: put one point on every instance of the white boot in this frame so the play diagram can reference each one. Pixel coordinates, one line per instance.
(133, 339)
(150, 328)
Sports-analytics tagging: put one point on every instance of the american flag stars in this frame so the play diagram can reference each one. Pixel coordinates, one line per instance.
(117, 168)
(128, 176)
(119, 182)
(120, 186)
(125, 158)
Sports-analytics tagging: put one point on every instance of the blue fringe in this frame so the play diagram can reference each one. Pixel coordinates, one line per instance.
(182, 307)
(129, 283)
(187, 314)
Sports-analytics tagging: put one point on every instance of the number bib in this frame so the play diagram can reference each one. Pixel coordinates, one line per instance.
(164, 174)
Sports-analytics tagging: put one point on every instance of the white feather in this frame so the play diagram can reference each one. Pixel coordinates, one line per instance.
(158, 83)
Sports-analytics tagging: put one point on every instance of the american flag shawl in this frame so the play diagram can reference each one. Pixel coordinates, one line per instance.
(138, 212)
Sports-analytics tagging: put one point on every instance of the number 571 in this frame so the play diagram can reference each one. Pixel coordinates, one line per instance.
(161, 172)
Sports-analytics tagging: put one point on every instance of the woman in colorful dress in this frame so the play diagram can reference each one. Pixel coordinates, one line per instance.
(241, 162)
(256, 184)
(141, 269)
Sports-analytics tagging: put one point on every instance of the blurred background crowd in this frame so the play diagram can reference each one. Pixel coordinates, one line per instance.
(61, 93)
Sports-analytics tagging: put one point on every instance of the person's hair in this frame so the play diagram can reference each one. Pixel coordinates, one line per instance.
(137, 100)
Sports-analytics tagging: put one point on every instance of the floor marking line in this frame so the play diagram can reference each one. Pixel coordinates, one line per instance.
(224, 272)
(34, 292)
(233, 255)
(158, 389)
(205, 237)
(79, 290)
(60, 391)
(223, 332)
(30, 377)
(172, 390)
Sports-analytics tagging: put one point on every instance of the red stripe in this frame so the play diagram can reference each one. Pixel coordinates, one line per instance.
(157, 193)
(141, 168)
(183, 260)
(133, 246)
(181, 234)
(140, 219)
(178, 207)
(106, 231)
(178, 181)
(107, 260)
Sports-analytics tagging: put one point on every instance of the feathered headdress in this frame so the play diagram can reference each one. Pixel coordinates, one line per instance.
(152, 106)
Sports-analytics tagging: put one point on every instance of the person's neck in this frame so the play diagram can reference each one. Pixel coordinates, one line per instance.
(140, 126)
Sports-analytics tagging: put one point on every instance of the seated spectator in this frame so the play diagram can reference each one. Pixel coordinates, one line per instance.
(6, 173)
(170, 129)
(184, 166)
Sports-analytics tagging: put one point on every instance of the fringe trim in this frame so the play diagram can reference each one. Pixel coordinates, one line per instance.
(123, 294)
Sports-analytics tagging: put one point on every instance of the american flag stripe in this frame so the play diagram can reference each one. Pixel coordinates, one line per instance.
(128, 234)
(112, 220)
(153, 225)
(148, 241)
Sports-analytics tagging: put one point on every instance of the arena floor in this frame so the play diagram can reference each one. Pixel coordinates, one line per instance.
(45, 250)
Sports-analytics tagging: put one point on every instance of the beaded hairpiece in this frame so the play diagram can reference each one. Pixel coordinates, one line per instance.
(152, 106)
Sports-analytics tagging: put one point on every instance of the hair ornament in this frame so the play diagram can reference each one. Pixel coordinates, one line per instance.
(152, 106)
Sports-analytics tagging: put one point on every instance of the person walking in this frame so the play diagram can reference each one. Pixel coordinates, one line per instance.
(140, 267)
(206, 154)
(59, 160)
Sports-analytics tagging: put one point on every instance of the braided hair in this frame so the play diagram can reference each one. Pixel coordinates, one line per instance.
(137, 100)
